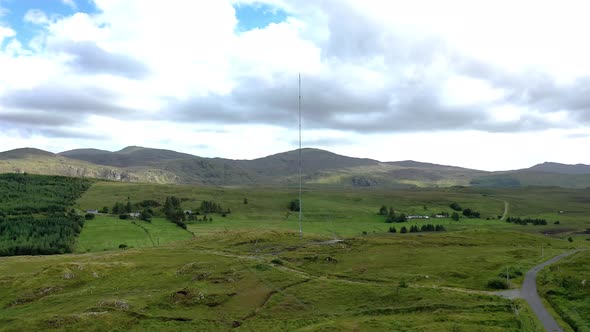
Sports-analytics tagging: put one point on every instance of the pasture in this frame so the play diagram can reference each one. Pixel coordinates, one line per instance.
(251, 271)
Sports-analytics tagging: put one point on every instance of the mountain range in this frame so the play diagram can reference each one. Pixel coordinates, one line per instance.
(139, 164)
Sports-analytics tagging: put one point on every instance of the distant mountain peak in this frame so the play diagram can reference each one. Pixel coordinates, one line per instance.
(553, 167)
(131, 148)
(25, 152)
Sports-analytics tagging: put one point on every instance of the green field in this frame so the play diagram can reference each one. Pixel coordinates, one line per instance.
(567, 287)
(108, 232)
(252, 271)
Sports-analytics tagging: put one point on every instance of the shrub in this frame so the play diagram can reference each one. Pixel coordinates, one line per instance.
(89, 216)
(294, 205)
(124, 216)
(123, 246)
(455, 206)
(392, 230)
(497, 284)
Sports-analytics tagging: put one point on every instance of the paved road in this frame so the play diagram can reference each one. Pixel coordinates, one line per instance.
(529, 293)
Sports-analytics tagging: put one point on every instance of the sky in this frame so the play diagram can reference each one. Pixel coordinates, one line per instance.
(491, 85)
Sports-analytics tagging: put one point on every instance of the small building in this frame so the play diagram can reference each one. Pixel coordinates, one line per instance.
(134, 214)
(92, 211)
(440, 216)
(188, 211)
(418, 217)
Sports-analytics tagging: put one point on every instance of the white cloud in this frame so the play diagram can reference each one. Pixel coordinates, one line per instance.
(368, 67)
(36, 16)
(70, 3)
(6, 33)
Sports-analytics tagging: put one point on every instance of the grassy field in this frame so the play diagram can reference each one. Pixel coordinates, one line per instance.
(566, 285)
(264, 280)
(251, 271)
(344, 212)
(108, 232)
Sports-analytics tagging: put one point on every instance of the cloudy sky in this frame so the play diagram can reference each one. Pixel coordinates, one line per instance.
(491, 85)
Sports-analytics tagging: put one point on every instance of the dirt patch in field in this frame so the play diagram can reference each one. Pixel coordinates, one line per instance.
(35, 295)
(557, 231)
(192, 296)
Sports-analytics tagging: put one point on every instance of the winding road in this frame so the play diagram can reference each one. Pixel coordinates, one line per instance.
(529, 293)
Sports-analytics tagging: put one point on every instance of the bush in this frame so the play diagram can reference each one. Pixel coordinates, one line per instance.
(570, 239)
(89, 216)
(556, 222)
(497, 284)
(123, 246)
(403, 230)
(455, 206)
(392, 230)
(124, 216)
(294, 205)
(455, 216)
(471, 213)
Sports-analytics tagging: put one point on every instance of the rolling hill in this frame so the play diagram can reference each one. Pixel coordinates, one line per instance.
(548, 167)
(139, 164)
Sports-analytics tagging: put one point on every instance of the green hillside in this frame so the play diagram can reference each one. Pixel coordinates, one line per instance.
(319, 167)
(250, 270)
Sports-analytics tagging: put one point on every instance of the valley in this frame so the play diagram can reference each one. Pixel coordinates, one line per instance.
(250, 270)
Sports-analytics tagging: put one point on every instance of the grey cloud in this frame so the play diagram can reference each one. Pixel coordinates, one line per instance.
(63, 100)
(48, 124)
(35, 117)
(58, 111)
(61, 132)
(91, 59)
(325, 141)
(398, 107)
(534, 89)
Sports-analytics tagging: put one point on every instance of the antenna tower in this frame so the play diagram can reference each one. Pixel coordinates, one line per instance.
(300, 170)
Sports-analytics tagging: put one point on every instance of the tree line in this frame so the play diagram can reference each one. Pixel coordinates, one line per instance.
(416, 229)
(26, 235)
(525, 221)
(34, 216)
(391, 215)
(24, 194)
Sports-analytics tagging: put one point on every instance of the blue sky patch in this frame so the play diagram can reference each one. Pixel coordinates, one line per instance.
(16, 10)
(257, 16)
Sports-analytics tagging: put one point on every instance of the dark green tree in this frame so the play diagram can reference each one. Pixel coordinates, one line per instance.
(294, 205)
(455, 206)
